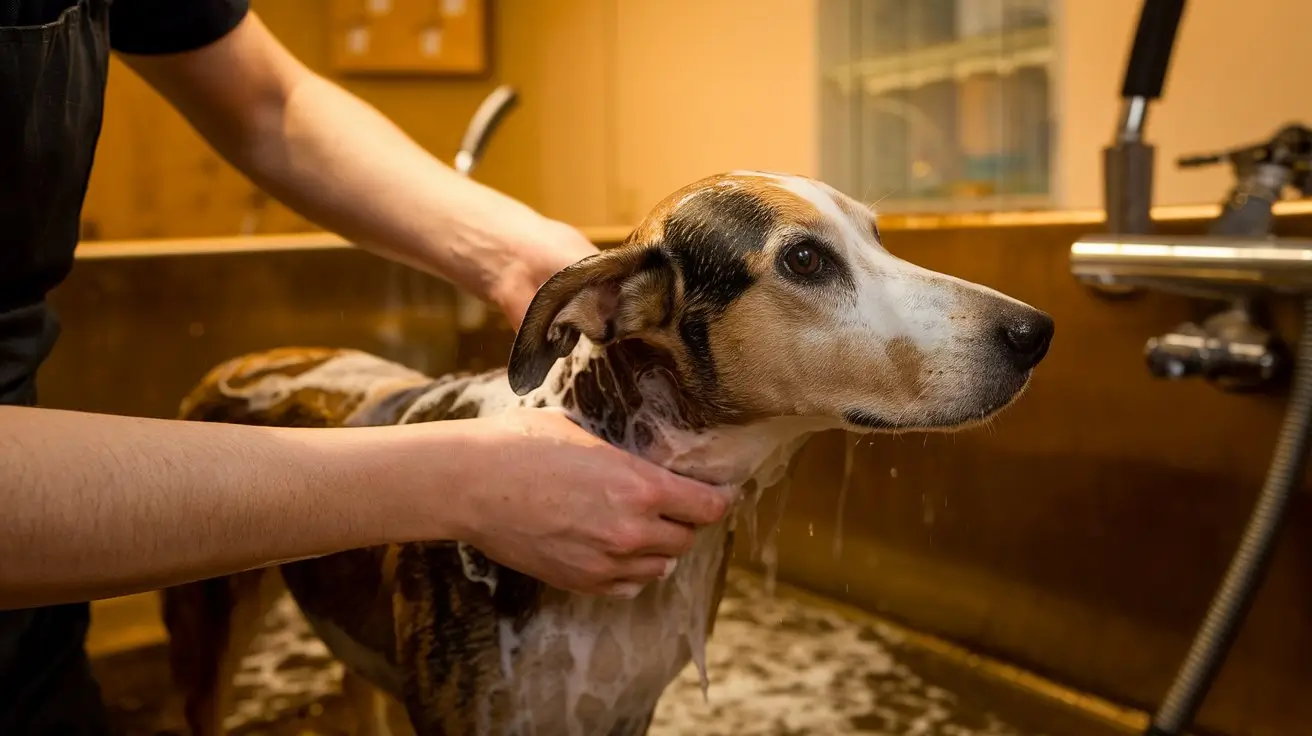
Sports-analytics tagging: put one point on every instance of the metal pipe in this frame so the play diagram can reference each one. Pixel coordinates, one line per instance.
(1134, 116)
(487, 118)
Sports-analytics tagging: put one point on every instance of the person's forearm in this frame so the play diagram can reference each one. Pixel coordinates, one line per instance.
(390, 195)
(93, 506)
(340, 163)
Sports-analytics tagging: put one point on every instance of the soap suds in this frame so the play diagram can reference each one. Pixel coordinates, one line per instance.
(782, 667)
(347, 372)
(588, 664)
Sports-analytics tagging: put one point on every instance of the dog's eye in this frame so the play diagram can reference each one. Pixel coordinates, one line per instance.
(803, 259)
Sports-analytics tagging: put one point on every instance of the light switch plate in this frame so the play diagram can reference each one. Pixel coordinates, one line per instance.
(411, 37)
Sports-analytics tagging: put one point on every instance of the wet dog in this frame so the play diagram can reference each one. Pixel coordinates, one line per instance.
(747, 312)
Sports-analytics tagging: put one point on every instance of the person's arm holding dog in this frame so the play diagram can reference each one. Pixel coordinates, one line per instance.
(98, 505)
(342, 164)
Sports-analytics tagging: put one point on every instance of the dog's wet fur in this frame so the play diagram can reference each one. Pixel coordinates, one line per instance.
(746, 312)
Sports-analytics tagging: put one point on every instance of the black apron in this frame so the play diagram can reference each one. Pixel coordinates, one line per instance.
(52, 86)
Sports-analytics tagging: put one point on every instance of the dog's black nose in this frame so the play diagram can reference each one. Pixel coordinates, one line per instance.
(1027, 338)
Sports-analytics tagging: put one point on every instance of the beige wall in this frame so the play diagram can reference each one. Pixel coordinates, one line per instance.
(632, 99)
(703, 87)
(637, 97)
(1239, 73)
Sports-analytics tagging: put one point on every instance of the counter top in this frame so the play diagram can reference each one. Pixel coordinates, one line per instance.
(613, 235)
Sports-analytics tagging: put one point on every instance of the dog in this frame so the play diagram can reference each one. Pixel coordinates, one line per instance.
(748, 311)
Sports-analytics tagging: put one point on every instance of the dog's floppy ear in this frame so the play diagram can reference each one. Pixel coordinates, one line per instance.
(607, 297)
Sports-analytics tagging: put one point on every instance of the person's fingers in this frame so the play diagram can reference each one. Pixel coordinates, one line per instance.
(664, 538)
(625, 589)
(646, 568)
(638, 572)
(688, 501)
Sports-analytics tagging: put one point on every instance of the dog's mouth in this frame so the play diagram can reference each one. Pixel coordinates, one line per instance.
(949, 417)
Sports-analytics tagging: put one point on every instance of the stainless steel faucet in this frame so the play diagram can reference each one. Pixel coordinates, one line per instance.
(1236, 263)
(487, 118)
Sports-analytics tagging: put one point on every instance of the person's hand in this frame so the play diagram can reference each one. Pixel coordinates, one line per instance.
(577, 513)
(554, 246)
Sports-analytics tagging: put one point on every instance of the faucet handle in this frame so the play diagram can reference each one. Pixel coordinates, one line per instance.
(1227, 350)
(1206, 159)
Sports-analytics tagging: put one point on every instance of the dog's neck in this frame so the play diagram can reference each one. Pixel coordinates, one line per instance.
(630, 396)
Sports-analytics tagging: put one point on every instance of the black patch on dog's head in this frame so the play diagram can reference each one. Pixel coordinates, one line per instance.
(698, 267)
(710, 238)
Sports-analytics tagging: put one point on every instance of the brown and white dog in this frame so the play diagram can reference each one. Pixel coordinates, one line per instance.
(748, 311)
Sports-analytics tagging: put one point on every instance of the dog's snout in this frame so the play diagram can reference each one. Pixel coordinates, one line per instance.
(1027, 338)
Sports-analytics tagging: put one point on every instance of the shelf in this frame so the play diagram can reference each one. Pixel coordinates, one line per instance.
(997, 53)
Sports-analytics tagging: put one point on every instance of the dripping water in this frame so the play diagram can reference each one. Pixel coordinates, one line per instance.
(751, 499)
(770, 551)
(848, 456)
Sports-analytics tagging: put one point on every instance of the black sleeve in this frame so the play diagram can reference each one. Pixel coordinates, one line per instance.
(171, 26)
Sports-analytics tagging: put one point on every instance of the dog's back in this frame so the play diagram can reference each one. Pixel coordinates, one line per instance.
(348, 597)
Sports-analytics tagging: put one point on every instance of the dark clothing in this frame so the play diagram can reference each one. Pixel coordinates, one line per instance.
(54, 61)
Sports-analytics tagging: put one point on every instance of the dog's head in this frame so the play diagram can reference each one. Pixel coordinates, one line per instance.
(772, 295)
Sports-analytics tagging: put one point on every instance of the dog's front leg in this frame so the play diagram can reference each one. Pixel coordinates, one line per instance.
(211, 624)
(430, 677)
(376, 713)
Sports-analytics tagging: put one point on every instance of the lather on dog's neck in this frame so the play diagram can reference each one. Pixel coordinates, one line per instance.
(630, 394)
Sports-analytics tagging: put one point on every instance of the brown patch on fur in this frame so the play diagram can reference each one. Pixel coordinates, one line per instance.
(213, 398)
(765, 369)
(652, 228)
(790, 208)
(908, 363)
(287, 362)
(211, 624)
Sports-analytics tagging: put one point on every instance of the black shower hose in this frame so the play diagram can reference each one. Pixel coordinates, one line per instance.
(1244, 577)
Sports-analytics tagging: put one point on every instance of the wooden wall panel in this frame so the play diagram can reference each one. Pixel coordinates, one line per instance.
(622, 102)
(154, 177)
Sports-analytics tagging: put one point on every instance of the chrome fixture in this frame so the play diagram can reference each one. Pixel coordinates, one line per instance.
(471, 312)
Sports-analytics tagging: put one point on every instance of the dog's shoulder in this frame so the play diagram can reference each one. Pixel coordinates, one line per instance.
(463, 396)
(300, 387)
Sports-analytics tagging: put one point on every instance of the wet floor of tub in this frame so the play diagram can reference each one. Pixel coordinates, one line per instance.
(778, 666)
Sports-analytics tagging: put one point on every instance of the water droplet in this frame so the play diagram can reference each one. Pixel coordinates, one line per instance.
(892, 472)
